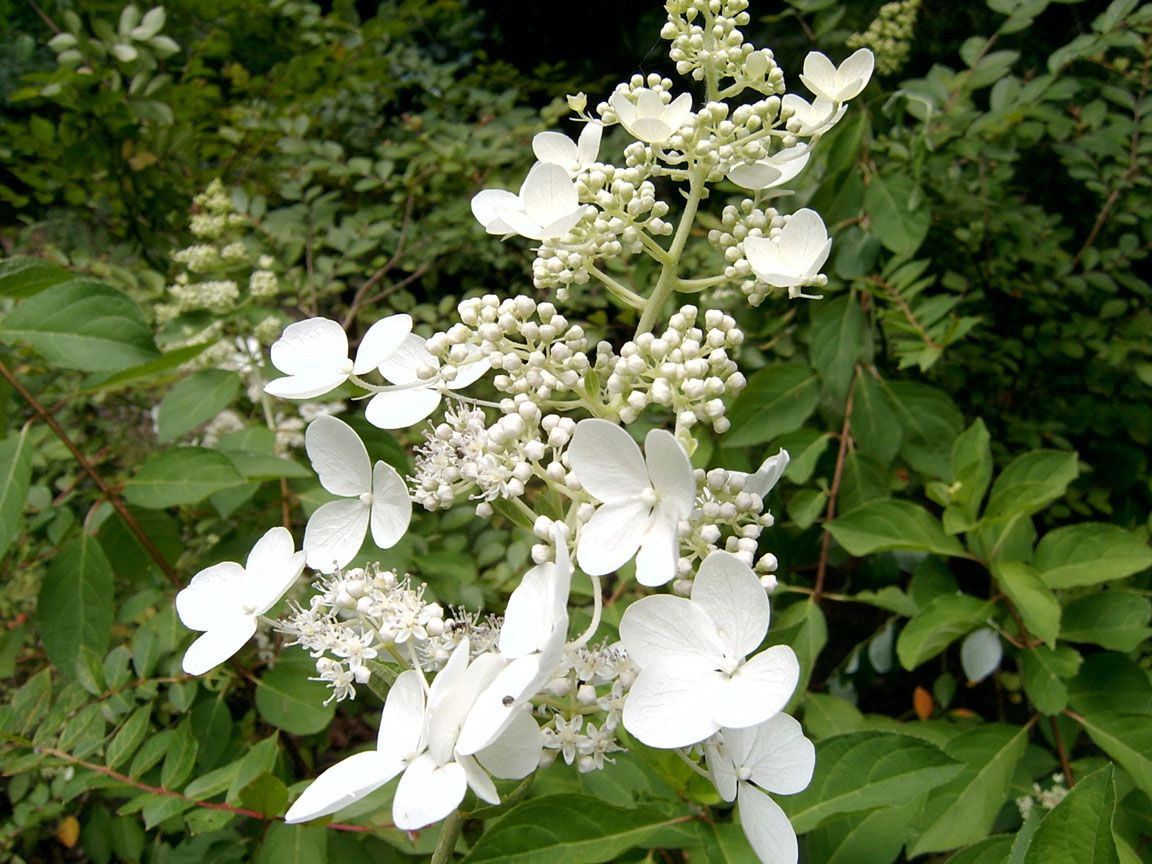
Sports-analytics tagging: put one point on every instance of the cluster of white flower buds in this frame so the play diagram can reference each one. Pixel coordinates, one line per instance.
(889, 36)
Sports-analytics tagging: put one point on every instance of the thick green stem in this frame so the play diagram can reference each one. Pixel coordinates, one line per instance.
(670, 272)
(449, 834)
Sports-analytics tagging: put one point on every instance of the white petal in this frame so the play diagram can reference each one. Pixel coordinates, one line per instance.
(670, 471)
(768, 474)
(650, 129)
(727, 589)
(402, 720)
(820, 76)
(611, 537)
(548, 193)
(391, 506)
(403, 365)
(529, 616)
(516, 753)
(307, 386)
(855, 73)
(678, 110)
(448, 706)
(607, 462)
(339, 456)
(669, 704)
(503, 699)
(521, 223)
(381, 340)
(310, 346)
(755, 175)
(470, 371)
(781, 759)
(478, 780)
(758, 689)
(562, 225)
(588, 147)
(556, 148)
(427, 793)
(344, 783)
(662, 627)
(335, 534)
(273, 567)
(767, 828)
(721, 767)
(649, 104)
(767, 261)
(489, 204)
(804, 241)
(624, 107)
(211, 591)
(660, 547)
(400, 409)
(226, 637)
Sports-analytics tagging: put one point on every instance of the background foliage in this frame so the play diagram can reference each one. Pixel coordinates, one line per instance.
(963, 530)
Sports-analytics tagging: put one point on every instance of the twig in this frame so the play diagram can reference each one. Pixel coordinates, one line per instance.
(449, 834)
(1062, 751)
(375, 278)
(109, 494)
(837, 475)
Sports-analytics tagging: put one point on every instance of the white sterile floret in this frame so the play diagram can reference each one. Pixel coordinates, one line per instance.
(373, 496)
(694, 678)
(813, 118)
(416, 397)
(643, 498)
(418, 738)
(747, 763)
(776, 170)
(314, 354)
(793, 257)
(647, 116)
(838, 84)
(547, 207)
(767, 475)
(532, 640)
(225, 600)
(555, 148)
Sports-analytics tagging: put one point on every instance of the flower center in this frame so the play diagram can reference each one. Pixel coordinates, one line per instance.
(728, 665)
(366, 498)
(649, 497)
(347, 366)
(743, 772)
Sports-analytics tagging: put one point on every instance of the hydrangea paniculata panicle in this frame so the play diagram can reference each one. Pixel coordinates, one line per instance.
(547, 207)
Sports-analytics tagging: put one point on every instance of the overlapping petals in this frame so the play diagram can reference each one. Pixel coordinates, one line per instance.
(643, 499)
(547, 207)
(770, 173)
(693, 677)
(556, 148)
(813, 118)
(794, 257)
(647, 117)
(416, 397)
(373, 497)
(838, 83)
(313, 354)
(225, 600)
(766, 477)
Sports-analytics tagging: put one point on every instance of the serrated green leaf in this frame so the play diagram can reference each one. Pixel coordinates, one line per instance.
(1079, 829)
(194, 401)
(128, 737)
(887, 525)
(184, 475)
(875, 427)
(1127, 738)
(15, 476)
(293, 844)
(76, 604)
(930, 421)
(289, 701)
(778, 399)
(1035, 602)
(23, 277)
(863, 770)
(180, 758)
(1089, 553)
(835, 341)
(898, 226)
(1117, 620)
(938, 625)
(1030, 483)
(82, 324)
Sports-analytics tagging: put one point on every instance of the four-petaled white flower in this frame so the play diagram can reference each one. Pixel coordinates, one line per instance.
(648, 118)
(375, 497)
(772, 172)
(314, 354)
(416, 397)
(547, 207)
(693, 676)
(418, 737)
(792, 258)
(643, 499)
(557, 148)
(532, 640)
(815, 117)
(746, 763)
(838, 84)
(225, 600)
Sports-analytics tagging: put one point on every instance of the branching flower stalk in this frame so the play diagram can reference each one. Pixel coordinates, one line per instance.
(469, 698)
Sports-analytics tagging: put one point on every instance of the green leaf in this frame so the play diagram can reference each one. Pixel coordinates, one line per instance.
(15, 476)
(194, 401)
(971, 474)
(835, 341)
(566, 829)
(725, 843)
(1043, 672)
(23, 277)
(184, 475)
(82, 324)
(129, 737)
(293, 844)
(931, 421)
(962, 811)
(900, 227)
(30, 703)
(180, 758)
(150, 754)
(266, 794)
(875, 427)
(863, 770)
(1030, 483)
(803, 627)
(1109, 683)
(258, 760)
(778, 399)
(938, 625)
(1127, 738)
(826, 715)
(887, 525)
(164, 365)
(1113, 619)
(1079, 829)
(1089, 553)
(1035, 602)
(289, 701)
(874, 836)
(994, 850)
(76, 605)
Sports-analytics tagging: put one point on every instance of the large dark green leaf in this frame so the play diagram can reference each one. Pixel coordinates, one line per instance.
(289, 701)
(836, 341)
(1089, 553)
(888, 525)
(778, 399)
(76, 605)
(897, 213)
(1079, 829)
(184, 475)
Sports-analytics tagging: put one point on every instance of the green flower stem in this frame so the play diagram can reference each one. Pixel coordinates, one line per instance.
(449, 834)
(669, 274)
(691, 286)
(626, 295)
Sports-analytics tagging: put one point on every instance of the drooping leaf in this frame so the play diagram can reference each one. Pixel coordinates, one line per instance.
(183, 475)
(887, 525)
(875, 428)
(778, 399)
(76, 605)
(1127, 738)
(835, 342)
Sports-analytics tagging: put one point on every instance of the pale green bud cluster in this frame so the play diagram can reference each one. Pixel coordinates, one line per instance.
(889, 35)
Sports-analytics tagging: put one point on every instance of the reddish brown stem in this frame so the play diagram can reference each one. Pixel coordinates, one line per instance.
(837, 475)
(1062, 752)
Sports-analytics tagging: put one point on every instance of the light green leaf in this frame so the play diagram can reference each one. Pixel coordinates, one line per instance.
(76, 605)
(293, 844)
(184, 475)
(566, 829)
(15, 476)
(962, 811)
(1089, 553)
(826, 715)
(194, 401)
(289, 701)
(258, 760)
(874, 836)
(938, 625)
(1030, 483)
(835, 341)
(23, 277)
(128, 737)
(1034, 601)
(1113, 619)
(1044, 672)
(778, 399)
(1127, 738)
(888, 525)
(725, 843)
(971, 474)
(1079, 829)
(897, 225)
(863, 770)
(82, 324)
